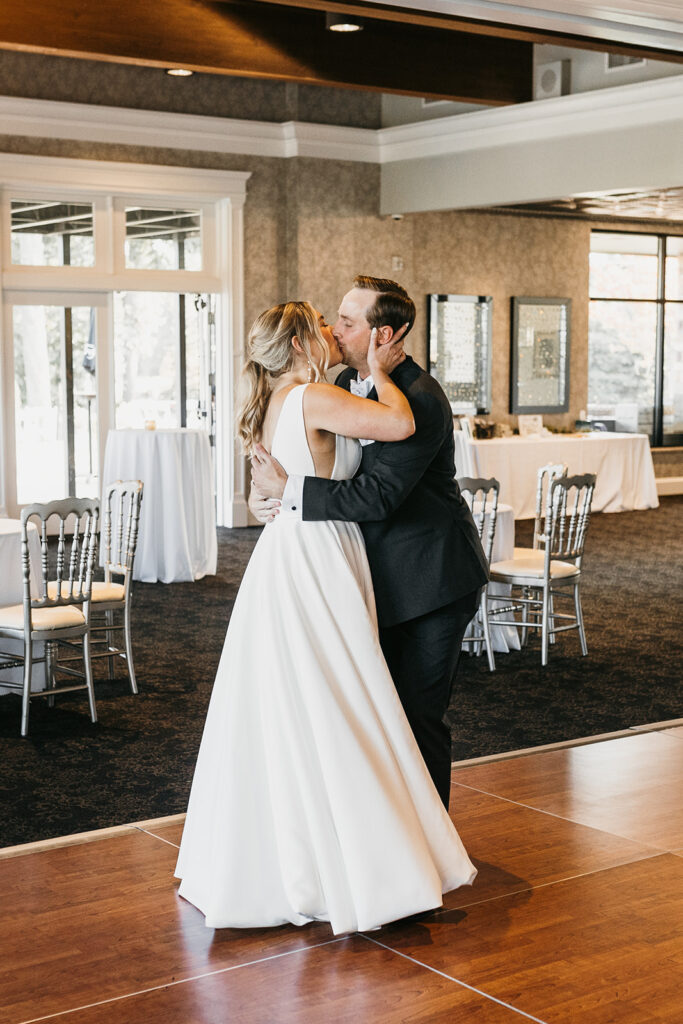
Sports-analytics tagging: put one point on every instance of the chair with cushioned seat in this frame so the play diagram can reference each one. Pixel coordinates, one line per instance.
(120, 514)
(61, 611)
(482, 497)
(548, 571)
(544, 478)
(120, 520)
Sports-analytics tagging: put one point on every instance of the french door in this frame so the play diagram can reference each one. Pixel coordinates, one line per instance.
(51, 366)
(164, 355)
(83, 363)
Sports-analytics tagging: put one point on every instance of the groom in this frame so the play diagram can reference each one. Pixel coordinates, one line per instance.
(427, 563)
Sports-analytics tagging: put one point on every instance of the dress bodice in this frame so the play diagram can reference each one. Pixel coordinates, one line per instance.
(290, 444)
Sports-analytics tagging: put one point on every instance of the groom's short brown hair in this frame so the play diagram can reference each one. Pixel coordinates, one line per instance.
(392, 306)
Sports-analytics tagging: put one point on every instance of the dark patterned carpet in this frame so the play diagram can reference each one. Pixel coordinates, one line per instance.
(137, 761)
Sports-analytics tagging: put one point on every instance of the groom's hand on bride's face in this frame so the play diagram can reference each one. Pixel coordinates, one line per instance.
(268, 476)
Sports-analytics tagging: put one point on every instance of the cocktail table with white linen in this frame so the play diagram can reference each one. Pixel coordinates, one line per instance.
(177, 533)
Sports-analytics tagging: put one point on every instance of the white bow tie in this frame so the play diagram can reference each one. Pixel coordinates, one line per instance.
(362, 388)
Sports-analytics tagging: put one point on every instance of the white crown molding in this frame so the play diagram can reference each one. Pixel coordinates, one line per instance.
(20, 171)
(120, 125)
(628, 106)
(333, 142)
(656, 23)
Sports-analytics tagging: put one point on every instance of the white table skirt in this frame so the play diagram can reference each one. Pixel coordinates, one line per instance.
(11, 573)
(12, 592)
(503, 638)
(622, 463)
(177, 532)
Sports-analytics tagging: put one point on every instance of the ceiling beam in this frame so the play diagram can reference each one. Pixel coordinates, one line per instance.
(273, 41)
(605, 40)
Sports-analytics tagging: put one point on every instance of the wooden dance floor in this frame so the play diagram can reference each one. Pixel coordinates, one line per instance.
(576, 916)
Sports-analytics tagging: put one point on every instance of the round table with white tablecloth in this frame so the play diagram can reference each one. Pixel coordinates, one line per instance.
(11, 574)
(12, 589)
(177, 531)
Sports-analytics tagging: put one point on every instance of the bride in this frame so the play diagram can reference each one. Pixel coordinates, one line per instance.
(310, 799)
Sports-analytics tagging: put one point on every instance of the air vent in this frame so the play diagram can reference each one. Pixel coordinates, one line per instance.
(619, 60)
(552, 79)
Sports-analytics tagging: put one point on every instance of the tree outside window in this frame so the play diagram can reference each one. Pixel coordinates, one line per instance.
(635, 339)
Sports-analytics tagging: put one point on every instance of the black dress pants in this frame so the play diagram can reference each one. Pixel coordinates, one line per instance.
(422, 655)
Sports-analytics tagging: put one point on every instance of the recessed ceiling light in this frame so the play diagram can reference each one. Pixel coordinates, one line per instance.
(342, 23)
(179, 72)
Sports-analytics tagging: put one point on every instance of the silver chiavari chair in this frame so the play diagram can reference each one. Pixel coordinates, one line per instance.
(122, 502)
(60, 613)
(554, 569)
(120, 522)
(482, 497)
(544, 478)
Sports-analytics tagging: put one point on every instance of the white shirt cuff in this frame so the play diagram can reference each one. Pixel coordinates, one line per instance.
(293, 496)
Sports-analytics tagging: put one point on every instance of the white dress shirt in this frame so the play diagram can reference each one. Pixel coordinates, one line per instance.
(293, 496)
(362, 388)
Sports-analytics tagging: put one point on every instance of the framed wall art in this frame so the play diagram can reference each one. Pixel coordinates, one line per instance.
(539, 363)
(459, 349)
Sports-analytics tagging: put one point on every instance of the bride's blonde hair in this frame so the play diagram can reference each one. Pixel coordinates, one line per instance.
(270, 354)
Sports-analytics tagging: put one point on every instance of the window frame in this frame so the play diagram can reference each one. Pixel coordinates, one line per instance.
(220, 195)
(657, 439)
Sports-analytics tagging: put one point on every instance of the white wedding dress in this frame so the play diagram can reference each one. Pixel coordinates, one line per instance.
(310, 797)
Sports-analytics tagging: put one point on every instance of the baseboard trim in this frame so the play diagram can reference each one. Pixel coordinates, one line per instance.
(584, 741)
(76, 839)
(80, 838)
(669, 485)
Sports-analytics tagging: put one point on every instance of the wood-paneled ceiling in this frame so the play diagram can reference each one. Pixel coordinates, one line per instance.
(411, 50)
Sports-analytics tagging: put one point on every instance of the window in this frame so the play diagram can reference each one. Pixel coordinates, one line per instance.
(163, 239)
(50, 233)
(635, 334)
(162, 359)
(122, 303)
(620, 60)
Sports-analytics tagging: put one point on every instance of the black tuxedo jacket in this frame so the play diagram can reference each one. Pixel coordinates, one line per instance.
(422, 544)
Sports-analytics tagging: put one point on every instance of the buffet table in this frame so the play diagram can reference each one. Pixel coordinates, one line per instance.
(177, 531)
(621, 462)
(12, 592)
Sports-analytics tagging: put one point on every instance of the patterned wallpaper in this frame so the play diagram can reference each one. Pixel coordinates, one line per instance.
(39, 76)
(668, 462)
(505, 256)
